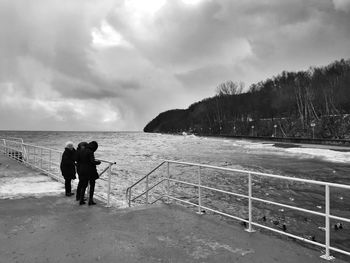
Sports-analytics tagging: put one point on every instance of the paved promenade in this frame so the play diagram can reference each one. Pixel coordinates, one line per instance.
(54, 228)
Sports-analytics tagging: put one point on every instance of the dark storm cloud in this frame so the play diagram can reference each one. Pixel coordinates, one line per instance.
(179, 35)
(146, 61)
(55, 37)
(214, 29)
(78, 89)
(287, 35)
(211, 75)
(91, 89)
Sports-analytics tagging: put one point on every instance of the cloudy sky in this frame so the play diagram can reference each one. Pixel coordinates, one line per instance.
(115, 64)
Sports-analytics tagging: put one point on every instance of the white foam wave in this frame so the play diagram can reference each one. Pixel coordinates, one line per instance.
(259, 146)
(324, 154)
(298, 152)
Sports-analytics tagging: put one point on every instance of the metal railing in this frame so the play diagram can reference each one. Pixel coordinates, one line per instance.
(48, 161)
(249, 196)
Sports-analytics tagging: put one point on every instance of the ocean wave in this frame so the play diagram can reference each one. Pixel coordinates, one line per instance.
(259, 146)
(296, 152)
(323, 154)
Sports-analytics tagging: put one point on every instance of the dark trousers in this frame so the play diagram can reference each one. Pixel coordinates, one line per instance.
(79, 190)
(67, 185)
(84, 184)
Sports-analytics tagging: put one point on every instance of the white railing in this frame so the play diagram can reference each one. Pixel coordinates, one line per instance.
(249, 196)
(48, 161)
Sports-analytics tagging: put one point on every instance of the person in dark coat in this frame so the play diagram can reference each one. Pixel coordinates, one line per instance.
(80, 148)
(88, 171)
(68, 167)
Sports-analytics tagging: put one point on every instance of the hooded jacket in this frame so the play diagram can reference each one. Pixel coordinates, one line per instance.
(87, 162)
(68, 164)
(80, 148)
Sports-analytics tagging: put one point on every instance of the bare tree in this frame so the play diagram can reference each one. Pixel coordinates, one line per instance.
(229, 88)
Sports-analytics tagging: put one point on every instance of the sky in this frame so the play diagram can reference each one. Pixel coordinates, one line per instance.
(114, 65)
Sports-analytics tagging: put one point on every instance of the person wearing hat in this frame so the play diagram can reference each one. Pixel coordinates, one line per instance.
(68, 167)
(80, 148)
(88, 172)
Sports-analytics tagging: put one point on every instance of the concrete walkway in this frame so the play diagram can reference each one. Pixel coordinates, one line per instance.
(17, 181)
(56, 229)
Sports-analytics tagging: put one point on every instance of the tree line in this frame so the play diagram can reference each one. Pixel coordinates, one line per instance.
(311, 103)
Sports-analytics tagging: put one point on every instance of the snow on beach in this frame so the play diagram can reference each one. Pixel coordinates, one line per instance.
(324, 154)
(299, 151)
(13, 188)
(19, 181)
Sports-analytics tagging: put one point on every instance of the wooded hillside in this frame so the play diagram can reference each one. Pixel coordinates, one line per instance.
(291, 104)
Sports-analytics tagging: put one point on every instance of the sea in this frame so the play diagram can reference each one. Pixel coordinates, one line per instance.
(137, 153)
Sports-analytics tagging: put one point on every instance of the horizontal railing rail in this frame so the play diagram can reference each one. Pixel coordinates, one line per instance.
(249, 196)
(48, 161)
(262, 174)
(128, 190)
(149, 189)
(12, 138)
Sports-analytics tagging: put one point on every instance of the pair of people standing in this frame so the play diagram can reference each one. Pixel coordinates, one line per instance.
(85, 163)
(87, 172)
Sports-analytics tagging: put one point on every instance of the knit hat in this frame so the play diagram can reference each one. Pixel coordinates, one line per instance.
(69, 145)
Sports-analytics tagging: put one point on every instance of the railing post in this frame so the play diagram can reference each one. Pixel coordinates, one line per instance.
(41, 158)
(129, 197)
(34, 156)
(250, 203)
(5, 146)
(168, 182)
(327, 256)
(199, 191)
(109, 185)
(50, 160)
(147, 189)
(24, 152)
(27, 154)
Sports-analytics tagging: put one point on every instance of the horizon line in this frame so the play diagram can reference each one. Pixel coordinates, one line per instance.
(67, 131)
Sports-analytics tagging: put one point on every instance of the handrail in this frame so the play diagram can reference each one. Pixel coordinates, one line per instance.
(104, 161)
(262, 174)
(140, 180)
(24, 152)
(42, 147)
(14, 138)
(34, 146)
(111, 163)
(41, 158)
(327, 215)
(156, 168)
(149, 189)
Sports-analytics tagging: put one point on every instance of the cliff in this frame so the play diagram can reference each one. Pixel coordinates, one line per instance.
(312, 103)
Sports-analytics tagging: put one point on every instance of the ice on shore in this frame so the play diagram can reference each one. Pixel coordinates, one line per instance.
(298, 152)
(324, 154)
(13, 188)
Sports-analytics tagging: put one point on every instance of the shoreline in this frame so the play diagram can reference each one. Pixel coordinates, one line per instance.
(335, 145)
(290, 140)
(318, 146)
